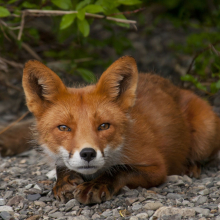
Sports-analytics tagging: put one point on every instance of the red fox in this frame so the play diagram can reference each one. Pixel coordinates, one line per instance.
(129, 129)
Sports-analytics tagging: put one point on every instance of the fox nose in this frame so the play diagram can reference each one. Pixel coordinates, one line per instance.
(88, 154)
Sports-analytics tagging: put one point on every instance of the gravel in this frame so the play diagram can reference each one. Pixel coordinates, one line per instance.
(27, 195)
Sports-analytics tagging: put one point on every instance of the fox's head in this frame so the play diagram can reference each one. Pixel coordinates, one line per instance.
(82, 128)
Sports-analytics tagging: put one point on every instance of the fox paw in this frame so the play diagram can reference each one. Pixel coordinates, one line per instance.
(93, 192)
(64, 188)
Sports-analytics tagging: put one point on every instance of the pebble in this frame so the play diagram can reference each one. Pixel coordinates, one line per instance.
(55, 215)
(181, 197)
(142, 215)
(15, 200)
(40, 203)
(5, 215)
(204, 212)
(33, 197)
(70, 204)
(153, 205)
(169, 211)
(2, 201)
(6, 209)
(174, 196)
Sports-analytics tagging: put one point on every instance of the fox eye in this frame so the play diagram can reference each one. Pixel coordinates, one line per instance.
(104, 126)
(63, 128)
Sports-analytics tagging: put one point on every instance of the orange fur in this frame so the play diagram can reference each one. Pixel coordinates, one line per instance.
(156, 129)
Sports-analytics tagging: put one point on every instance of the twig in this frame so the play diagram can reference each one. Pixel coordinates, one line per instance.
(211, 46)
(214, 50)
(12, 86)
(15, 122)
(35, 12)
(21, 26)
(26, 47)
(1, 22)
(128, 12)
(12, 63)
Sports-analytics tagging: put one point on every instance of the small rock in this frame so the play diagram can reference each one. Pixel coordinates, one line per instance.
(80, 217)
(28, 186)
(136, 206)
(45, 199)
(133, 218)
(70, 204)
(202, 199)
(40, 203)
(187, 179)
(218, 183)
(33, 197)
(5, 215)
(56, 215)
(142, 215)
(163, 211)
(204, 192)
(2, 201)
(6, 209)
(204, 212)
(172, 178)
(37, 187)
(8, 194)
(174, 196)
(107, 213)
(15, 200)
(95, 216)
(153, 205)
(34, 217)
(131, 200)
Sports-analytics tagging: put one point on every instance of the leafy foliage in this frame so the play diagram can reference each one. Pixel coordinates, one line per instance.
(75, 39)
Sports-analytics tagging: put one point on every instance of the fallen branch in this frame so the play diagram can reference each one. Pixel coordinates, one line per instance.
(15, 122)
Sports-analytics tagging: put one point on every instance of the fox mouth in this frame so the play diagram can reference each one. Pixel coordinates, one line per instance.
(86, 167)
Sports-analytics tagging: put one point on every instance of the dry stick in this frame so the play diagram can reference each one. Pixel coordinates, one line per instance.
(128, 12)
(12, 63)
(36, 12)
(15, 122)
(26, 47)
(21, 26)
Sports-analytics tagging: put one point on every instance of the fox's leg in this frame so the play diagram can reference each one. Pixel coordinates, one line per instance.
(108, 184)
(67, 181)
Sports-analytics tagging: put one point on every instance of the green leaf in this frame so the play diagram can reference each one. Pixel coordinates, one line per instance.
(129, 2)
(83, 26)
(67, 20)
(93, 9)
(81, 4)
(4, 12)
(11, 2)
(81, 14)
(29, 5)
(87, 75)
(188, 78)
(200, 86)
(64, 4)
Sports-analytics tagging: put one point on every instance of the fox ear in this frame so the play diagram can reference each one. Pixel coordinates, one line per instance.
(119, 82)
(41, 86)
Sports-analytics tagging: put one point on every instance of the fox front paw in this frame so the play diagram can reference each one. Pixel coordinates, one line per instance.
(93, 192)
(65, 187)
